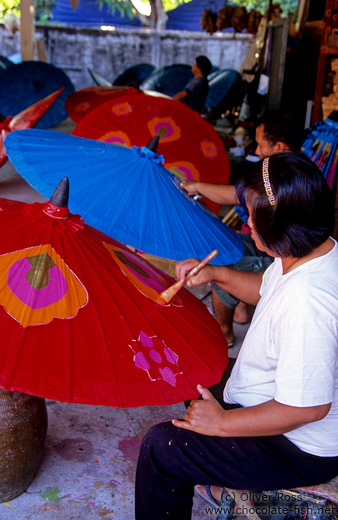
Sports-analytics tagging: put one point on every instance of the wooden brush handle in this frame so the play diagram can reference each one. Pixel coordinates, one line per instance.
(200, 266)
(169, 293)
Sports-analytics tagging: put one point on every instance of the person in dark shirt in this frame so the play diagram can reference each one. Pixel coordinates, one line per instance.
(196, 91)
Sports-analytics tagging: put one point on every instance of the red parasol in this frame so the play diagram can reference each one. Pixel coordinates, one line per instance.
(190, 145)
(82, 101)
(25, 119)
(80, 319)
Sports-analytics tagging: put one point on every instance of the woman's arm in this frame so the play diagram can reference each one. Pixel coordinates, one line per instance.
(206, 416)
(219, 193)
(180, 95)
(242, 284)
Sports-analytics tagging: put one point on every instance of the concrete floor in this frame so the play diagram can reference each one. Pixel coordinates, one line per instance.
(88, 467)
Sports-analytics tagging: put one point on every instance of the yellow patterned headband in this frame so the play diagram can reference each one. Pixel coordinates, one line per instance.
(266, 181)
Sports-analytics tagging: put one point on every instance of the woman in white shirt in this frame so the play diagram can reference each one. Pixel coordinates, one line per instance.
(278, 427)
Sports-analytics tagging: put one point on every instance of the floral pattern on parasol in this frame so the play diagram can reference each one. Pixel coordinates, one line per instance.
(153, 356)
(185, 137)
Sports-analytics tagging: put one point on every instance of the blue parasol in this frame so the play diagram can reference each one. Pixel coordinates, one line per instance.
(126, 193)
(168, 79)
(226, 90)
(321, 146)
(5, 63)
(133, 76)
(15, 58)
(24, 84)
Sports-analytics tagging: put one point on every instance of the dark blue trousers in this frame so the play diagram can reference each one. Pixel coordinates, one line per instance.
(173, 460)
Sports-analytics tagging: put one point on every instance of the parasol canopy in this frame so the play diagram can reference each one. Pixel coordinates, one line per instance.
(25, 119)
(226, 91)
(168, 79)
(191, 148)
(321, 146)
(124, 192)
(5, 63)
(133, 76)
(80, 320)
(83, 101)
(24, 84)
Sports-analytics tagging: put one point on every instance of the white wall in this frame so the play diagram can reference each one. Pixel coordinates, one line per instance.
(109, 53)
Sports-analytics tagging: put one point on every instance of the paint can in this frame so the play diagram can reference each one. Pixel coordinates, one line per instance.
(23, 428)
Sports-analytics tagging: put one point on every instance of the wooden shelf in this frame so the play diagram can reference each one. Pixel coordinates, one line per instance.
(324, 53)
(328, 50)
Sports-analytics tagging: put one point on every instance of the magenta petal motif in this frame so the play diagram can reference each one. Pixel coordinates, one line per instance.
(141, 361)
(152, 355)
(155, 356)
(145, 340)
(168, 375)
(171, 356)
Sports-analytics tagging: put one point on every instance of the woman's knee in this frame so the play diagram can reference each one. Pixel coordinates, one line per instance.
(164, 443)
(158, 437)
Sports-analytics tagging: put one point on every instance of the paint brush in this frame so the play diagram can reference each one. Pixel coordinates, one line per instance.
(169, 293)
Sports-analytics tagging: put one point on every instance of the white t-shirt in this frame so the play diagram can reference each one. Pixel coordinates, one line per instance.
(290, 352)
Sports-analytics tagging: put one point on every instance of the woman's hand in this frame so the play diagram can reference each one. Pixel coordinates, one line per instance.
(184, 267)
(190, 187)
(203, 415)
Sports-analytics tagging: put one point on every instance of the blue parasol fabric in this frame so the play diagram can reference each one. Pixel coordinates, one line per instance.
(321, 146)
(28, 82)
(126, 193)
(5, 63)
(15, 57)
(168, 79)
(226, 90)
(133, 76)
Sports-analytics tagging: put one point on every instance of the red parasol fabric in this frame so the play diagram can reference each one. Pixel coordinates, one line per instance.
(80, 319)
(25, 119)
(190, 146)
(82, 101)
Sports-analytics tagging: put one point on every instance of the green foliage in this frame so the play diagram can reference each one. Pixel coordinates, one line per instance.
(289, 7)
(171, 4)
(43, 9)
(8, 7)
(124, 7)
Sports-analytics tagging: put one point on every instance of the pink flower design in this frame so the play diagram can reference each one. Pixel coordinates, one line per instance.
(153, 356)
(82, 107)
(208, 149)
(121, 109)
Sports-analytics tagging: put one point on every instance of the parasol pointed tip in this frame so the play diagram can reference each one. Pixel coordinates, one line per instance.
(60, 195)
(153, 143)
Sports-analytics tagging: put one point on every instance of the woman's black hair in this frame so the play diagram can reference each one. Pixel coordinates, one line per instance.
(302, 217)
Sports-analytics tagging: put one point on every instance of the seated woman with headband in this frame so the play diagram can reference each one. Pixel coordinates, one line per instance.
(278, 425)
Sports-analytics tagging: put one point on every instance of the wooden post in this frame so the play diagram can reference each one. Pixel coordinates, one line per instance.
(27, 29)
